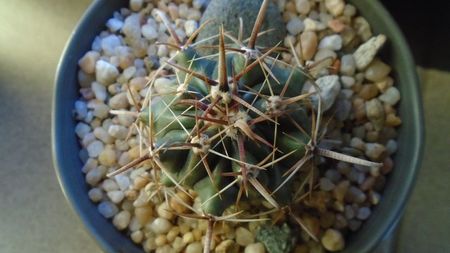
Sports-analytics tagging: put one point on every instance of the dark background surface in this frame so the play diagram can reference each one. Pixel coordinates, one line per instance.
(426, 25)
(34, 216)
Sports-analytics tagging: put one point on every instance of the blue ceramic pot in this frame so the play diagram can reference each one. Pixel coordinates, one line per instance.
(399, 183)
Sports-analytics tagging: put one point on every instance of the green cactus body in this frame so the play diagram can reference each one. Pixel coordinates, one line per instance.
(175, 123)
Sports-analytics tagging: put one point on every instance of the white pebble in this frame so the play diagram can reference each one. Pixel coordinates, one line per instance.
(80, 110)
(295, 26)
(391, 96)
(95, 148)
(347, 81)
(81, 129)
(109, 185)
(348, 65)
(95, 194)
(131, 27)
(105, 72)
(149, 32)
(116, 196)
(123, 181)
(190, 26)
(366, 52)
(99, 91)
(114, 24)
(333, 42)
(160, 226)
(118, 131)
(121, 220)
(109, 44)
(107, 209)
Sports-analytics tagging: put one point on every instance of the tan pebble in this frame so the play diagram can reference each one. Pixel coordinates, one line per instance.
(336, 25)
(184, 227)
(392, 120)
(140, 182)
(137, 236)
(164, 249)
(375, 151)
(377, 71)
(195, 247)
(244, 237)
(327, 219)
(362, 28)
(173, 11)
(164, 211)
(138, 83)
(172, 234)
(301, 249)
(375, 113)
(312, 224)
(136, 5)
(372, 136)
(341, 190)
(227, 246)
(160, 240)
(309, 43)
(178, 199)
(188, 237)
(367, 184)
(368, 91)
(134, 152)
(255, 248)
(87, 62)
(335, 7)
(290, 7)
(121, 220)
(131, 194)
(197, 234)
(107, 157)
(388, 165)
(333, 240)
(134, 224)
(149, 244)
(119, 101)
(359, 108)
(178, 244)
(143, 214)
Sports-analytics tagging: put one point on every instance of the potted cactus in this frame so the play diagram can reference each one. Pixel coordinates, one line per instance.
(229, 133)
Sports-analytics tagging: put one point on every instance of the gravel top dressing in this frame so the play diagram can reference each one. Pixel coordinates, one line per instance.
(198, 137)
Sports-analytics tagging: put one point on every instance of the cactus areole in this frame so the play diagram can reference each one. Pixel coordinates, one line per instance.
(233, 127)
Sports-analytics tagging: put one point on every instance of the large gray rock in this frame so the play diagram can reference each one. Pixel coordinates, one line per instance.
(228, 12)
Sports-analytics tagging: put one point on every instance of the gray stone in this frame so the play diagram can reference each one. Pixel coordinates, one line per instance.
(367, 51)
(228, 12)
(329, 90)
